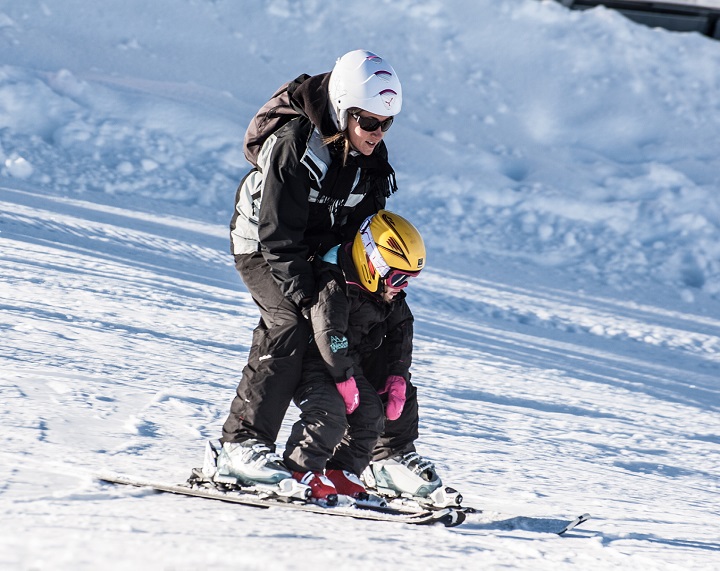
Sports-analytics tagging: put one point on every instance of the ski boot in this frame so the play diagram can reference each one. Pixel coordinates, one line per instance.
(413, 477)
(249, 466)
(321, 488)
(347, 484)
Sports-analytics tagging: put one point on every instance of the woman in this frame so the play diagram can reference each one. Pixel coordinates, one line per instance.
(318, 176)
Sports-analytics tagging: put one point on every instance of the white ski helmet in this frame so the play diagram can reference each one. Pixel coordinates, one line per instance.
(364, 80)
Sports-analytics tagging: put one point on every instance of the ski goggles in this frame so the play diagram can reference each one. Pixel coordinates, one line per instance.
(371, 124)
(399, 278)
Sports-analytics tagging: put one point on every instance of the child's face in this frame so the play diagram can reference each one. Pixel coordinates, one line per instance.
(390, 292)
(395, 281)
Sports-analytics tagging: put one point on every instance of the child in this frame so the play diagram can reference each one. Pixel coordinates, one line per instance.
(359, 307)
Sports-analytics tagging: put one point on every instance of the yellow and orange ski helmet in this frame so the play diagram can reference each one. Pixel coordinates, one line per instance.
(384, 243)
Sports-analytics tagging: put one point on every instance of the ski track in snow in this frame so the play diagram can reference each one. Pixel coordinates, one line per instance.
(125, 335)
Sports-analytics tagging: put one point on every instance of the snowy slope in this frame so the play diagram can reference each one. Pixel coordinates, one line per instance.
(563, 169)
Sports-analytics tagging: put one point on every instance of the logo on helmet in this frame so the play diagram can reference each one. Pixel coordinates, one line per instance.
(388, 97)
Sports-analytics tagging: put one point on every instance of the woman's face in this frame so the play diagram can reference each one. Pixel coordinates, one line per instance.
(364, 141)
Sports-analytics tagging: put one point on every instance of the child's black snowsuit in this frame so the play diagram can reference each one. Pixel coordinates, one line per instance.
(356, 335)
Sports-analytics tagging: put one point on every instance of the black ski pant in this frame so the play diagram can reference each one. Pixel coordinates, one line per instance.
(325, 437)
(274, 368)
(399, 435)
(273, 372)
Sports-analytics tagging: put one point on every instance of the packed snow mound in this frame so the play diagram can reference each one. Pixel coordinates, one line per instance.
(577, 140)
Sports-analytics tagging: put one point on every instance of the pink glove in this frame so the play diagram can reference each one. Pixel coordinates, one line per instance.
(395, 388)
(349, 392)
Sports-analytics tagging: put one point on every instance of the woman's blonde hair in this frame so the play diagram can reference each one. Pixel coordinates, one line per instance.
(341, 138)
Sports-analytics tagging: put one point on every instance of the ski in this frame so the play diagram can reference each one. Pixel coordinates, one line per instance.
(574, 523)
(409, 505)
(449, 517)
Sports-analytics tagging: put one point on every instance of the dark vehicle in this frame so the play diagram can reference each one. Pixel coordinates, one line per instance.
(677, 16)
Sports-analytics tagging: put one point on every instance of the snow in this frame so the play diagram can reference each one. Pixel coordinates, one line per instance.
(563, 168)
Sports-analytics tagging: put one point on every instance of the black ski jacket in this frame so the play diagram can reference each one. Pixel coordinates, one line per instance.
(301, 199)
(349, 323)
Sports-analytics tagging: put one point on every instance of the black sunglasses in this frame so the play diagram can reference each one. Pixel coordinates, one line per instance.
(371, 124)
